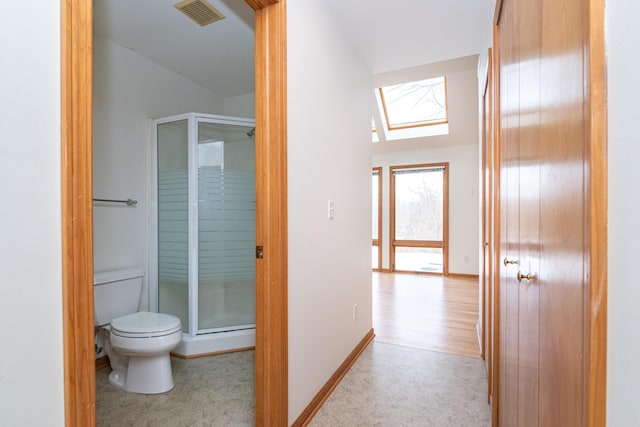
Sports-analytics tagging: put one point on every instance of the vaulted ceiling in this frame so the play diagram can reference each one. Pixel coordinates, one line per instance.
(387, 35)
(392, 35)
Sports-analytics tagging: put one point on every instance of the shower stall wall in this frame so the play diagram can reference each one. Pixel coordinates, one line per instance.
(203, 260)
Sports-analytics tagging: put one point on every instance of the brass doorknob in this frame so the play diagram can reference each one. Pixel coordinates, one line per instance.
(525, 276)
(509, 261)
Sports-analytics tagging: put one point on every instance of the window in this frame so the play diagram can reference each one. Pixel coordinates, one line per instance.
(419, 213)
(414, 104)
(376, 218)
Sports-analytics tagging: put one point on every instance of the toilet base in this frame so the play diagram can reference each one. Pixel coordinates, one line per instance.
(117, 379)
(145, 375)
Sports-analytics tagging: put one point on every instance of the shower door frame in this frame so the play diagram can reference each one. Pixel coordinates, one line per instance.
(193, 119)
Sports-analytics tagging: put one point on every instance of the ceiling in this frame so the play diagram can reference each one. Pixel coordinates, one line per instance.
(219, 56)
(405, 33)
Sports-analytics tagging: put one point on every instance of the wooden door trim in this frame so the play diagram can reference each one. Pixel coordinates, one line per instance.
(271, 212)
(495, 244)
(497, 11)
(77, 217)
(487, 220)
(495, 247)
(484, 241)
(261, 4)
(596, 339)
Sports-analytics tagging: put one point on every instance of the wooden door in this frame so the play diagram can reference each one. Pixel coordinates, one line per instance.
(563, 229)
(509, 171)
(549, 132)
(529, 207)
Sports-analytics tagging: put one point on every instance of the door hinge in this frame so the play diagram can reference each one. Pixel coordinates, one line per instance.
(259, 252)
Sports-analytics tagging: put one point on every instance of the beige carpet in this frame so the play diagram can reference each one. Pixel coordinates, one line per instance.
(389, 385)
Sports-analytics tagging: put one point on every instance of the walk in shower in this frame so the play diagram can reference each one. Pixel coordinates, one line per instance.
(204, 254)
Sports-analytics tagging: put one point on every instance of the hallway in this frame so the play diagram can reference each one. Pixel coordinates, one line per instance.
(392, 385)
(424, 367)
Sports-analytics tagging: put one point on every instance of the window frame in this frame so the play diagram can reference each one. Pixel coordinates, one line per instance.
(391, 127)
(378, 242)
(444, 244)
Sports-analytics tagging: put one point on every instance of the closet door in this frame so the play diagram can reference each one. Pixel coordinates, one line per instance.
(544, 241)
(509, 92)
(564, 262)
(526, 271)
(519, 35)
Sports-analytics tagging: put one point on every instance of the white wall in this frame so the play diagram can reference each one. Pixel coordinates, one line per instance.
(241, 155)
(459, 147)
(329, 157)
(241, 106)
(31, 368)
(128, 91)
(623, 50)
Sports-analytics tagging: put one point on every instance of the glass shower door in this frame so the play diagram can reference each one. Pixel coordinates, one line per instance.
(226, 227)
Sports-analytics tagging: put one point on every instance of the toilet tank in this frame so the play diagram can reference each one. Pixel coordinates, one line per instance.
(116, 293)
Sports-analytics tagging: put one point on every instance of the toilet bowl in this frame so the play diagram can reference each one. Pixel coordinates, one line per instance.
(137, 342)
(145, 340)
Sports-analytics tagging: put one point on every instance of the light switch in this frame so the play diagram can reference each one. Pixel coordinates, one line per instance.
(330, 209)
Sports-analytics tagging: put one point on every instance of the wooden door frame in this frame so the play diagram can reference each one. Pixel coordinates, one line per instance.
(271, 404)
(488, 213)
(596, 305)
(494, 246)
(597, 195)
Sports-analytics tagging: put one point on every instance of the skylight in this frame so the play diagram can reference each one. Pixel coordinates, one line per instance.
(414, 104)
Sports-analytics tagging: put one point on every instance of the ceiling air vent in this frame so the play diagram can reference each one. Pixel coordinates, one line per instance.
(199, 11)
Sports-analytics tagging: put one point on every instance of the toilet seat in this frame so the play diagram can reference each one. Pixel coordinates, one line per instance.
(144, 324)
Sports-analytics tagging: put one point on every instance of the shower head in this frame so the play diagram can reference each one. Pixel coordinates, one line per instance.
(251, 133)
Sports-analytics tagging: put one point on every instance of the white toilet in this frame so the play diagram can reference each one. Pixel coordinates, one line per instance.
(137, 343)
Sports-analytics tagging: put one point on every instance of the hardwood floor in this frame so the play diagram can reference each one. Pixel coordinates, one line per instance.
(427, 312)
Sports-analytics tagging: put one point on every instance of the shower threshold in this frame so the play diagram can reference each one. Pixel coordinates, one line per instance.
(215, 343)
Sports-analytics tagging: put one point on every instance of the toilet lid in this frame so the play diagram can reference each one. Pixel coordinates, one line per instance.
(144, 323)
